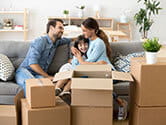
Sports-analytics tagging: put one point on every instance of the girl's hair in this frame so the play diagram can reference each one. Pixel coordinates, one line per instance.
(80, 39)
(90, 24)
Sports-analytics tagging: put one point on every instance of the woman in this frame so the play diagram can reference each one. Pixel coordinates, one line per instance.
(99, 50)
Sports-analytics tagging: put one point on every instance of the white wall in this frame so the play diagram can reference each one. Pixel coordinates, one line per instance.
(40, 10)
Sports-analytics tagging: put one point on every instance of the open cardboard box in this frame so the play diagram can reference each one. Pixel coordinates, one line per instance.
(92, 84)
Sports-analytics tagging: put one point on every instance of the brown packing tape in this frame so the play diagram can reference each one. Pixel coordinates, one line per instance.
(17, 101)
(40, 82)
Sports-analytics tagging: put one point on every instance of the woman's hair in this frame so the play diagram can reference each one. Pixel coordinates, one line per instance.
(90, 24)
(80, 39)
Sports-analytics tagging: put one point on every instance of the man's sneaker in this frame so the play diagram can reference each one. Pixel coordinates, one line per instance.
(66, 97)
(58, 91)
(122, 113)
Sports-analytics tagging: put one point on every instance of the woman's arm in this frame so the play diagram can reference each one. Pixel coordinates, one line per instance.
(81, 61)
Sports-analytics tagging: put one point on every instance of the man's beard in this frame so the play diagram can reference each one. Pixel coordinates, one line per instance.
(58, 36)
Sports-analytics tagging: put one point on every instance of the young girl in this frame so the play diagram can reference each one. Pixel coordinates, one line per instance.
(82, 44)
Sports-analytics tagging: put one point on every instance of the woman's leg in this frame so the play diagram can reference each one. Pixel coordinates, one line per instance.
(22, 74)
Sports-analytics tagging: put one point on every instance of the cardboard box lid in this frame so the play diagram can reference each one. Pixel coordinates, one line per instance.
(59, 105)
(41, 82)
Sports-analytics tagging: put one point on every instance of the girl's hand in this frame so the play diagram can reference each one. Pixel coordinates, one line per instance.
(74, 50)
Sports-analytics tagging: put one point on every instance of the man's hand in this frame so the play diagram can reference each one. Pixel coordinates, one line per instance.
(50, 77)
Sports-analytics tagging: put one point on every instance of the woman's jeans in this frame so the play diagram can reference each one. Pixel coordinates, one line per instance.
(22, 74)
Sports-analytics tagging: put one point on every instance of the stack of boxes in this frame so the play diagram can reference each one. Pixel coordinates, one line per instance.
(91, 97)
(41, 107)
(148, 93)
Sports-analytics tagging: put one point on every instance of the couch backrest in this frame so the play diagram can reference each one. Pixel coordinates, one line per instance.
(125, 48)
(17, 50)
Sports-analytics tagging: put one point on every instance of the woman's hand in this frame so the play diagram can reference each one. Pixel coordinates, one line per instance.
(101, 62)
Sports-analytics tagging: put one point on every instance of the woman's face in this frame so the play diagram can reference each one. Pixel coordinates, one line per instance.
(83, 47)
(87, 32)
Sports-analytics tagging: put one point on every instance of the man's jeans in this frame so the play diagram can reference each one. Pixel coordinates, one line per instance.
(22, 74)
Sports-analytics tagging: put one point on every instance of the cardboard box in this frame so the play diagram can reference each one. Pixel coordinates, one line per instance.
(148, 116)
(58, 115)
(8, 115)
(40, 93)
(84, 115)
(150, 82)
(92, 84)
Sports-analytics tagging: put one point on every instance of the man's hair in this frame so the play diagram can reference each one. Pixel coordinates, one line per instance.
(53, 23)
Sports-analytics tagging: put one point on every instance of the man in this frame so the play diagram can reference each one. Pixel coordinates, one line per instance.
(40, 53)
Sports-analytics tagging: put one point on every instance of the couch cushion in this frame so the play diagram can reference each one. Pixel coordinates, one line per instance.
(8, 91)
(9, 88)
(122, 88)
(7, 99)
(61, 57)
(122, 63)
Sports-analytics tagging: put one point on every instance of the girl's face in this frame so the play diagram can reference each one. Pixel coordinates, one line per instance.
(83, 47)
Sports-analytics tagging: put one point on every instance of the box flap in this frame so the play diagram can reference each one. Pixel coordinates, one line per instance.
(91, 84)
(63, 75)
(93, 67)
(122, 76)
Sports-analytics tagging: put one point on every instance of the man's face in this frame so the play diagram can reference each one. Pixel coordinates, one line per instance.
(87, 32)
(58, 30)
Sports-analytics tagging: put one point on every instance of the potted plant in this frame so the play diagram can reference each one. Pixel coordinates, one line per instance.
(80, 12)
(144, 17)
(151, 46)
(66, 13)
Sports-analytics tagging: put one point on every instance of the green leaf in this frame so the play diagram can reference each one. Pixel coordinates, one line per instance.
(152, 45)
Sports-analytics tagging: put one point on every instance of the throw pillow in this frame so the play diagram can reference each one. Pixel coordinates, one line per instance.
(122, 63)
(6, 68)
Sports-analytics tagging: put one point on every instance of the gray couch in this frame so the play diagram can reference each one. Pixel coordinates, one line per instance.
(16, 51)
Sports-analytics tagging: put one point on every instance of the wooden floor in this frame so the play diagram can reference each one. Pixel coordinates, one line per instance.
(116, 122)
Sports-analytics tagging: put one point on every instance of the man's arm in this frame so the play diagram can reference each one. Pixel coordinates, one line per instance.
(34, 56)
(39, 70)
